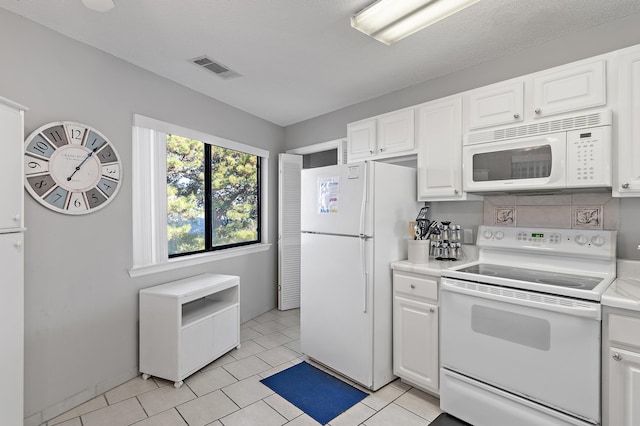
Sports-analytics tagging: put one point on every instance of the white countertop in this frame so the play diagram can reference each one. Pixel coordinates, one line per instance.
(624, 292)
(434, 267)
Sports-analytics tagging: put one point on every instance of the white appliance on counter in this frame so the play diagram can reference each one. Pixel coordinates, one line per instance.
(574, 152)
(354, 223)
(521, 327)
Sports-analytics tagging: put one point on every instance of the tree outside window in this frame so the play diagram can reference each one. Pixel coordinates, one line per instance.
(210, 208)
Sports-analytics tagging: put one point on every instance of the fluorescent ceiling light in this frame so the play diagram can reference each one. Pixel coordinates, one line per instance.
(391, 20)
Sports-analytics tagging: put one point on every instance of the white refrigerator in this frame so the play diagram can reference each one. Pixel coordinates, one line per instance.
(354, 222)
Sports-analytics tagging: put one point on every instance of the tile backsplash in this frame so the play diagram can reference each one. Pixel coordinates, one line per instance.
(583, 211)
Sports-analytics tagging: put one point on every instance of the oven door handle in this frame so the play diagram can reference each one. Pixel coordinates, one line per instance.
(574, 307)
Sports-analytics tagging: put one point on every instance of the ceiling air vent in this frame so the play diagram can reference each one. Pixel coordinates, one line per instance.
(217, 68)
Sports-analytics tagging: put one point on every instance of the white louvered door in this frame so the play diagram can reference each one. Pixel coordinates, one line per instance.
(289, 167)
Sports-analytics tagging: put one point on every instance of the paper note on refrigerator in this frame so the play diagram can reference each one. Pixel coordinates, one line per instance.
(328, 192)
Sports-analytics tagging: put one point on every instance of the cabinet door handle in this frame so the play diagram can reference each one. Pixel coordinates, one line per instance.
(17, 217)
(625, 186)
(617, 356)
(381, 149)
(18, 243)
(371, 152)
(432, 310)
(538, 111)
(413, 286)
(516, 115)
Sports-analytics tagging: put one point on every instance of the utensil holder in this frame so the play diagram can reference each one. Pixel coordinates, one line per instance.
(418, 251)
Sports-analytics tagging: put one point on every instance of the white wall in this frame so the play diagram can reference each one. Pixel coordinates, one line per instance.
(594, 41)
(81, 306)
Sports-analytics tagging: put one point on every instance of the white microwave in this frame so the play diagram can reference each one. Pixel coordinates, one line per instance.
(578, 158)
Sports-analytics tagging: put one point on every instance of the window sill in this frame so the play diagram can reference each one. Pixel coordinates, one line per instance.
(196, 259)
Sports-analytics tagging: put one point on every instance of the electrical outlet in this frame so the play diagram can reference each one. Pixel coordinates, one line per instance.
(468, 236)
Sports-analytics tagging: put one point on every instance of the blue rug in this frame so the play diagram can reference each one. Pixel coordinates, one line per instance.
(320, 395)
(445, 419)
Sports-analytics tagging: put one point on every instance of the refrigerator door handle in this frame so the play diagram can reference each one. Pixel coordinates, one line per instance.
(365, 275)
(363, 206)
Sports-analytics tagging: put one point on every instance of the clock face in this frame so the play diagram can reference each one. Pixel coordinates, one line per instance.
(71, 168)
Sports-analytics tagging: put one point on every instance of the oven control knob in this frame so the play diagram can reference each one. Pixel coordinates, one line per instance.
(488, 234)
(499, 235)
(598, 240)
(581, 239)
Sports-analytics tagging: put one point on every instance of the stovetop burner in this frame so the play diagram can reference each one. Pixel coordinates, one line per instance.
(532, 275)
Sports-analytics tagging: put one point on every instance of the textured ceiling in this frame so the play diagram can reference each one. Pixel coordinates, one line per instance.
(300, 58)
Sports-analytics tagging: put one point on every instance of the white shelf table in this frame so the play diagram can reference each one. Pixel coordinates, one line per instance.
(186, 324)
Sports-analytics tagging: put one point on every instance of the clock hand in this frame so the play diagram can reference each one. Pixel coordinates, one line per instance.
(80, 165)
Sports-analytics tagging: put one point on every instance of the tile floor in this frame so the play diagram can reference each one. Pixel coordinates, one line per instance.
(227, 392)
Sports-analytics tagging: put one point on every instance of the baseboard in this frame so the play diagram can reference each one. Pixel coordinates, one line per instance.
(41, 417)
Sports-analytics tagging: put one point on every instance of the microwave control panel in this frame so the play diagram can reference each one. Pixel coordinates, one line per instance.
(589, 157)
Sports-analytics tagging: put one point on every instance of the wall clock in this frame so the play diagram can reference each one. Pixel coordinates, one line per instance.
(71, 168)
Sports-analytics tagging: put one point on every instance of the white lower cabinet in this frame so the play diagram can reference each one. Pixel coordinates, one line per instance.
(621, 368)
(415, 330)
(624, 387)
(186, 324)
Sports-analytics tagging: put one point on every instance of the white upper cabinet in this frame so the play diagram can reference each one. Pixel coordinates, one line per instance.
(384, 136)
(621, 369)
(569, 88)
(522, 101)
(495, 105)
(627, 178)
(439, 135)
(11, 172)
(396, 132)
(361, 140)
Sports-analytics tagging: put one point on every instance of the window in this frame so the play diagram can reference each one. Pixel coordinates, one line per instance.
(213, 197)
(196, 197)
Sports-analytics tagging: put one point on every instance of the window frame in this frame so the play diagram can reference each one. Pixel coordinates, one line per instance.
(149, 197)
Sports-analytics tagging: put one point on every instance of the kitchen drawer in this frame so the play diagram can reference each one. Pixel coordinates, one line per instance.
(415, 285)
(624, 329)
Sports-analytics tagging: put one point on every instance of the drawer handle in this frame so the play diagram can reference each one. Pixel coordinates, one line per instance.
(617, 357)
(413, 286)
(432, 310)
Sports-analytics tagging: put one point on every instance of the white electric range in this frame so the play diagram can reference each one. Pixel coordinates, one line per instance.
(521, 327)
